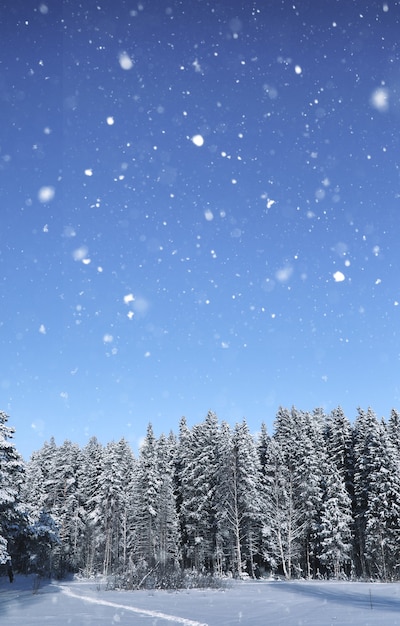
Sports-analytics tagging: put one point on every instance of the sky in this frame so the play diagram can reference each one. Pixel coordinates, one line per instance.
(200, 205)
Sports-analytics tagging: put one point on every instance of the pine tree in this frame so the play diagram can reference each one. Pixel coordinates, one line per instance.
(127, 464)
(300, 440)
(263, 443)
(340, 447)
(41, 477)
(382, 515)
(335, 532)
(283, 531)
(43, 536)
(90, 472)
(147, 483)
(12, 468)
(66, 507)
(309, 481)
(244, 504)
(394, 431)
(373, 460)
(167, 522)
(226, 553)
(199, 478)
(112, 510)
(181, 457)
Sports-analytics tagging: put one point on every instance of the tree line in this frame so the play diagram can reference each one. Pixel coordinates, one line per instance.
(319, 497)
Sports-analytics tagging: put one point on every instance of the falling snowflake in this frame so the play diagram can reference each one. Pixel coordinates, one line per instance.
(198, 140)
(125, 61)
(338, 277)
(46, 194)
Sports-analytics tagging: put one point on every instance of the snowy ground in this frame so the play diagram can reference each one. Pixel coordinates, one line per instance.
(83, 603)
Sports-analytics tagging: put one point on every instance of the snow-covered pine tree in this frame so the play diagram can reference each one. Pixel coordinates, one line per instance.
(12, 468)
(112, 511)
(127, 464)
(298, 435)
(226, 548)
(199, 477)
(238, 501)
(394, 431)
(180, 462)
(335, 531)
(340, 446)
(282, 530)
(66, 507)
(41, 538)
(41, 478)
(167, 522)
(309, 480)
(147, 482)
(156, 539)
(382, 515)
(263, 442)
(90, 471)
(43, 533)
(366, 447)
(244, 504)
(267, 560)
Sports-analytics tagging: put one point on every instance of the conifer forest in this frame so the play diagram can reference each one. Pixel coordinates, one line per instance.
(319, 497)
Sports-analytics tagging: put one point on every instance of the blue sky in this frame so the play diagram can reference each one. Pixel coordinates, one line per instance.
(200, 210)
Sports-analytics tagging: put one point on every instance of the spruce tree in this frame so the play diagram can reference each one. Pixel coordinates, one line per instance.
(167, 522)
(114, 491)
(90, 472)
(382, 515)
(199, 479)
(66, 507)
(366, 444)
(12, 468)
(147, 483)
(394, 431)
(299, 436)
(335, 532)
(246, 492)
(282, 529)
(43, 538)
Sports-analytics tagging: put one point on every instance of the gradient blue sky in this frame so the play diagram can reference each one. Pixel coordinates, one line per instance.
(200, 210)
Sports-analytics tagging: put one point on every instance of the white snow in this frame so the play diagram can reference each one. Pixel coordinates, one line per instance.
(80, 254)
(380, 99)
(249, 603)
(46, 194)
(129, 298)
(338, 277)
(125, 61)
(284, 273)
(198, 140)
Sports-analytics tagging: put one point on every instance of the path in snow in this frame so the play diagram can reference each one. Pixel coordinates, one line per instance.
(133, 609)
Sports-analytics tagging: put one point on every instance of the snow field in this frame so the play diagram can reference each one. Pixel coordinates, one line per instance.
(250, 603)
